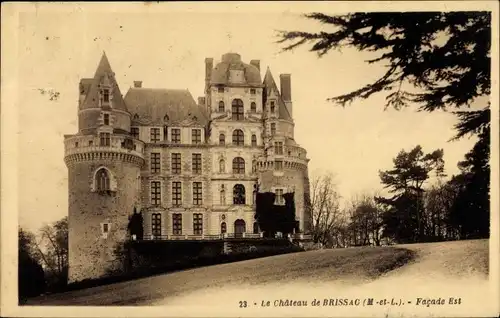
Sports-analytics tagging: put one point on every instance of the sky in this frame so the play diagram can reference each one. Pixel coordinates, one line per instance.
(167, 49)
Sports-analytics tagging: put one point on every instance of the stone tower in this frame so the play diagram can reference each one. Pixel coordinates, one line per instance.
(283, 167)
(104, 163)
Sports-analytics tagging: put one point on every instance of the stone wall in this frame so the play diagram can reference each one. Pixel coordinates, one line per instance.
(91, 253)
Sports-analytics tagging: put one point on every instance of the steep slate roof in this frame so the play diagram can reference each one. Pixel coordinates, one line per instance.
(270, 85)
(92, 86)
(220, 73)
(152, 104)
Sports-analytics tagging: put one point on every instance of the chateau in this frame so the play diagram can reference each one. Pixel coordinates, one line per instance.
(192, 169)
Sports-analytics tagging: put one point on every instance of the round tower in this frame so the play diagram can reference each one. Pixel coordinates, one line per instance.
(104, 163)
(283, 167)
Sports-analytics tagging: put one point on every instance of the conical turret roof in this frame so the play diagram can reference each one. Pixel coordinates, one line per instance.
(270, 85)
(103, 73)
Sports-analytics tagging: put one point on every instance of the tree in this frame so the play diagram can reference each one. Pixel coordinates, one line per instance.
(470, 211)
(445, 55)
(325, 209)
(432, 60)
(365, 220)
(52, 248)
(31, 277)
(411, 170)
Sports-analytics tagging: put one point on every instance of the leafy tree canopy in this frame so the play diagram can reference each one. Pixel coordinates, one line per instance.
(444, 55)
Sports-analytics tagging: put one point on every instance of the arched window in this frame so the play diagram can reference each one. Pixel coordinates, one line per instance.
(254, 165)
(253, 107)
(239, 227)
(238, 137)
(222, 166)
(255, 228)
(221, 107)
(223, 227)
(222, 139)
(254, 140)
(239, 194)
(102, 180)
(237, 109)
(222, 196)
(238, 165)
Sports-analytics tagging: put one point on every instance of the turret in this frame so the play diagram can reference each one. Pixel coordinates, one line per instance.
(104, 165)
(101, 102)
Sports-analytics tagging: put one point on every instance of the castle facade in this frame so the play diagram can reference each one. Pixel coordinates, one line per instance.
(193, 169)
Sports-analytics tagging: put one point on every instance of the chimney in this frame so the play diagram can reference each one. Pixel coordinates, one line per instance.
(137, 84)
(201, 101)
(286, 92)
(286, 87)
(255, 63)
(209, 65)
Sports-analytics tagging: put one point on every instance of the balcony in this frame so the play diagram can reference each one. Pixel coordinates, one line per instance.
(220, 237)
(123, 144)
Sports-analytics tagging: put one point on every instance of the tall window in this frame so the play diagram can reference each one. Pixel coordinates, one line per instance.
(254, 194)
(278, 165)
(238, 137)
(238, 165)
(176, 136)
(222, 139)
(134, 131)
(176, 193)
(155, 192)
(254, 140)
(176, 163)
(253, 107)
(106, 119)
(197, 224)
(221, 107)
(239, 194)
(105, 139)
(105, 95)
(280, 200)
(155, 134)
(155, 162)
(196, 136)
(273, 128)
(222, 166)
(176, 224)
(196, 162)
(278, 148)
(197, 193)
(237, 109)
(273, 107)
(102, 180)
(222, 196)
(156, 224)
(165, 133)
(223, 227)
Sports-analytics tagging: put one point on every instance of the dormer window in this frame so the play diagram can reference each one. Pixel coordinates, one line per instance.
(105, 95)
(272, 107)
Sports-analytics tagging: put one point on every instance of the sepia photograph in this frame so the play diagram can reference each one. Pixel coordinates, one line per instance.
(248, 159)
